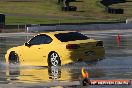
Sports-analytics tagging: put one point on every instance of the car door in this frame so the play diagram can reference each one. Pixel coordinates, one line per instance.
(37, 50)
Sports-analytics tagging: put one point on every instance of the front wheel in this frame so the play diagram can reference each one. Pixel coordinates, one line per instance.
(54, 59)
(13, 58)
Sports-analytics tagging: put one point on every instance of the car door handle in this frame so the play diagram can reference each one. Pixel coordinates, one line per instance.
(39, 48)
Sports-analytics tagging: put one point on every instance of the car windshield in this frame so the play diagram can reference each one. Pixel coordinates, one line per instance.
(71, 36)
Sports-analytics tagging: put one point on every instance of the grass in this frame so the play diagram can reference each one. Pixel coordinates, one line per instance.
(48, 11)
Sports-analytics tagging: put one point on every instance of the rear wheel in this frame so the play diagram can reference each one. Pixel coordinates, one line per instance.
(54, 59)
(13, 58)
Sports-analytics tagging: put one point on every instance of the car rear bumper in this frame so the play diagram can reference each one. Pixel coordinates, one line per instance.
(86, 55)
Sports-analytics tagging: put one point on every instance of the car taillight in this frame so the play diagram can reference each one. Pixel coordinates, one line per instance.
(72, 46)
(99, 43)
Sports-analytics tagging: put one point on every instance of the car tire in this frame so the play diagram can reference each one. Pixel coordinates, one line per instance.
(13, 58)
(54, 59)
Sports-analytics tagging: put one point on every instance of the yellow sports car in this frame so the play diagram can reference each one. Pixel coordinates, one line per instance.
(55, 49)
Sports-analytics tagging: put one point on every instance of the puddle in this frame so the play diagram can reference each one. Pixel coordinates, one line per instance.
(116, 65)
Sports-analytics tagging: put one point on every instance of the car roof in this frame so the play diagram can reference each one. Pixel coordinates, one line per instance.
(56, 32)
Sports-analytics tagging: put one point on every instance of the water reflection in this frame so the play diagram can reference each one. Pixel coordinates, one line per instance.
(45, 74)
(36, 74)
(54, 73)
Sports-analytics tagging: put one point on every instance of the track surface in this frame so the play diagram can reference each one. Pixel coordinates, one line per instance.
(116, 65)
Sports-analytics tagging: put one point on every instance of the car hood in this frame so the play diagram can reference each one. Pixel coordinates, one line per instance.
(17, 48)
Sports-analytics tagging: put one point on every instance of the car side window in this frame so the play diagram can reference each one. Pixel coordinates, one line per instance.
(40, 39)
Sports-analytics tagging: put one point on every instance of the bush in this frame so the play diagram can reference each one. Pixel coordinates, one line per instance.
(114, 10)
(69, 8)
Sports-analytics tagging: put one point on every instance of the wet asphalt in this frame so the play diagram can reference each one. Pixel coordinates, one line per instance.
(116, 64)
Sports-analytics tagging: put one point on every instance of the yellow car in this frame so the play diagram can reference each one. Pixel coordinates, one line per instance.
(55, 49)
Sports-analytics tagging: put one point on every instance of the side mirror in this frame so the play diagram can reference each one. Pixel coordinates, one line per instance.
(27, 44)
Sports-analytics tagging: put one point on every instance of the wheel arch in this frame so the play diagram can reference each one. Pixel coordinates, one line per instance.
(10, 55)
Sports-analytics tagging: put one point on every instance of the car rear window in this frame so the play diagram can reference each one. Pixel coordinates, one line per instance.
(71, 36)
